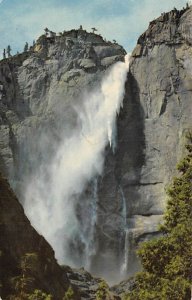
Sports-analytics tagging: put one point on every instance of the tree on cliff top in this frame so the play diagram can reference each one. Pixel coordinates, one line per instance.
(167, 261)
(26, 47)
(8, 50)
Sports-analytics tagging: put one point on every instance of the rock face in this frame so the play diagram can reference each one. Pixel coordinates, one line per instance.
(39, 91)
(156, 114)
(19, 241)
(35, 85)
(89, 286)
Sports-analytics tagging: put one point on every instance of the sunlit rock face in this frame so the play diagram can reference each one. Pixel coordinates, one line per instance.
(43, 92)
(152, 124)
(46, 83)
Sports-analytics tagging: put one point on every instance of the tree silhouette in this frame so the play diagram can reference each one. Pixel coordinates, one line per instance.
(23, 284)
(9, 50)
(26, 47)
(46, 31)
(94, 30)
(4, 53)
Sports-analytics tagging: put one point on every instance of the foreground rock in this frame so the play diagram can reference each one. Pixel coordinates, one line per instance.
(90, 286)
(24, 254)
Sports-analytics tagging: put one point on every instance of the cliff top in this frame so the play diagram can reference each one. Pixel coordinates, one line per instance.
(170, 28)
(73, 40)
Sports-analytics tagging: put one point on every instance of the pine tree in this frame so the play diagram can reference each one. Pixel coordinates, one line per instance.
(46, 31)
(26, 48)
(167, 261)
(23, 285)
(94, 29)
(4, 53)
(9, 51)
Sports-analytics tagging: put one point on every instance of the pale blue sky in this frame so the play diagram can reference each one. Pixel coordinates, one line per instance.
(122, 20)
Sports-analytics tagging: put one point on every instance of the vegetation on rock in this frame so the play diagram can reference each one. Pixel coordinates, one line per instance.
(102, 291)
(167, 261)
(23, 285)
(69, 294)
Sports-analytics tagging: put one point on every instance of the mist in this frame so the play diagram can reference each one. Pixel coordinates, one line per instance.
(54, 190)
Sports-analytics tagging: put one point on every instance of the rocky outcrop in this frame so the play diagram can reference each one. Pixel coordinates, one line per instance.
(89, 286)
(35, 85)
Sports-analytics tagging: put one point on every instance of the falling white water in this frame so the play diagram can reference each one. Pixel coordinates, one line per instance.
(125, 263)
(124, 207)
(90, 245)
(52, 194)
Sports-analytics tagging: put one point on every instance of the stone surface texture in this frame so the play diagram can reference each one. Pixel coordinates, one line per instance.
(152, 124)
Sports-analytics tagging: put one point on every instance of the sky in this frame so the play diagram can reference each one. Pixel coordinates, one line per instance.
(123, 20)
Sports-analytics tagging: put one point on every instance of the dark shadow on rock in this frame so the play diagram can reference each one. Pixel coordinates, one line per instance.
(130, 155)
(121, 176)
(11, 91)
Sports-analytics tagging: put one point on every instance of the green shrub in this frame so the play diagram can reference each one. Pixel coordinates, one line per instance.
(102, 291)
(39, 295)
(69, 294)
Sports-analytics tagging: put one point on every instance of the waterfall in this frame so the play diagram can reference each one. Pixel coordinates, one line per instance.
(54, 191)
(87, 207)
(91, 247)
(124, 208)
(113, 137)
(125, 263)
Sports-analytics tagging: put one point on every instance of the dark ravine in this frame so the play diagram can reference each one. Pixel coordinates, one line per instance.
(152, 123)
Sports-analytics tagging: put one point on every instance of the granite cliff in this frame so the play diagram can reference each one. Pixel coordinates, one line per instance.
(39, 90)
(154, 118)
(41, 94)
(35, 85)
(156, 114)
